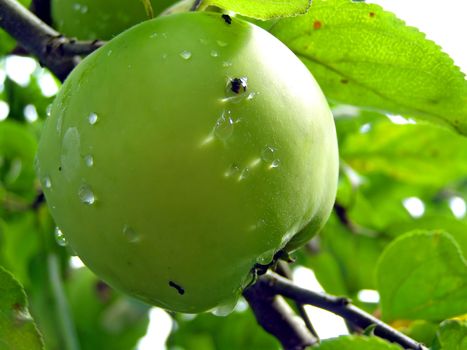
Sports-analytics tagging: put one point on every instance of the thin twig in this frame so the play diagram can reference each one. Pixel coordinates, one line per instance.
(196, 5)
(284, 270)
(340, 306)
(276, 317)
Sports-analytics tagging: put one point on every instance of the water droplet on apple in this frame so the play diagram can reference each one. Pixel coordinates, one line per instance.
(86, 195)
(226, 64)
(232, 171)
(153, 35)
(109, 52)
(268, 154)
(226, 308)
(59, 123)
(266, 257)
(70, 157)
(130, 234)
(275, 164)
(244, 174)
(203, 41)
(60, 237)
(48, 110)
(224, 126)
(47, 182)
(214, 53)
(89, 160)
(221, 43)
(93, 118)
(186, 55)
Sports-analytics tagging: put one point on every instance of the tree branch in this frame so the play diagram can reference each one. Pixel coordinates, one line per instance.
(340, 306)
(56, 52)
(277, 318)
(284, 270)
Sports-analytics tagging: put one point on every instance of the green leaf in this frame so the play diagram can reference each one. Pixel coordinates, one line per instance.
(420, 154)
(365, 56)
(262, 9)
(421, 331)
(422, 275)
(19, 244)
(356, 342)
(452, 335)
(17, 150)
(17, 329)
(456, 228)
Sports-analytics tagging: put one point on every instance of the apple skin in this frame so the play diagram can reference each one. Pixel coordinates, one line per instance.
(100, 19)
(190, 184)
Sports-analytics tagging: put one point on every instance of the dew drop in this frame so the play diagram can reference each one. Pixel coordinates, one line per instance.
(268, 154)
(203, 41)
(225, 309)
(109, 52)
(60, 237)
(89, 160)
(275, 164)
(226, 64)
(221, 43)
(86, 195)
(48, 110)
(130, 234)
(153, 35)
(214, 53)
(266, 257)
(59, 123)
(164, 56)
(47, 182)
(186, 55)
(224, 126)
(232, 171)
(93, 118)
(244, 174)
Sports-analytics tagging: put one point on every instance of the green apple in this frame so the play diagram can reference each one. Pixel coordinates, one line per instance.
(100, 19)
(185, 151)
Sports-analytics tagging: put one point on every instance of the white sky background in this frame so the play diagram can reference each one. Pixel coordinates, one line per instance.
(444, 22)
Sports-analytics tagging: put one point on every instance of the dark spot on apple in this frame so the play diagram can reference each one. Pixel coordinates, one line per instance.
(317, 24)
(344, 81)
(227, 19)
(179, 289)
(238, 84)
(372, 14)
(59, 168)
